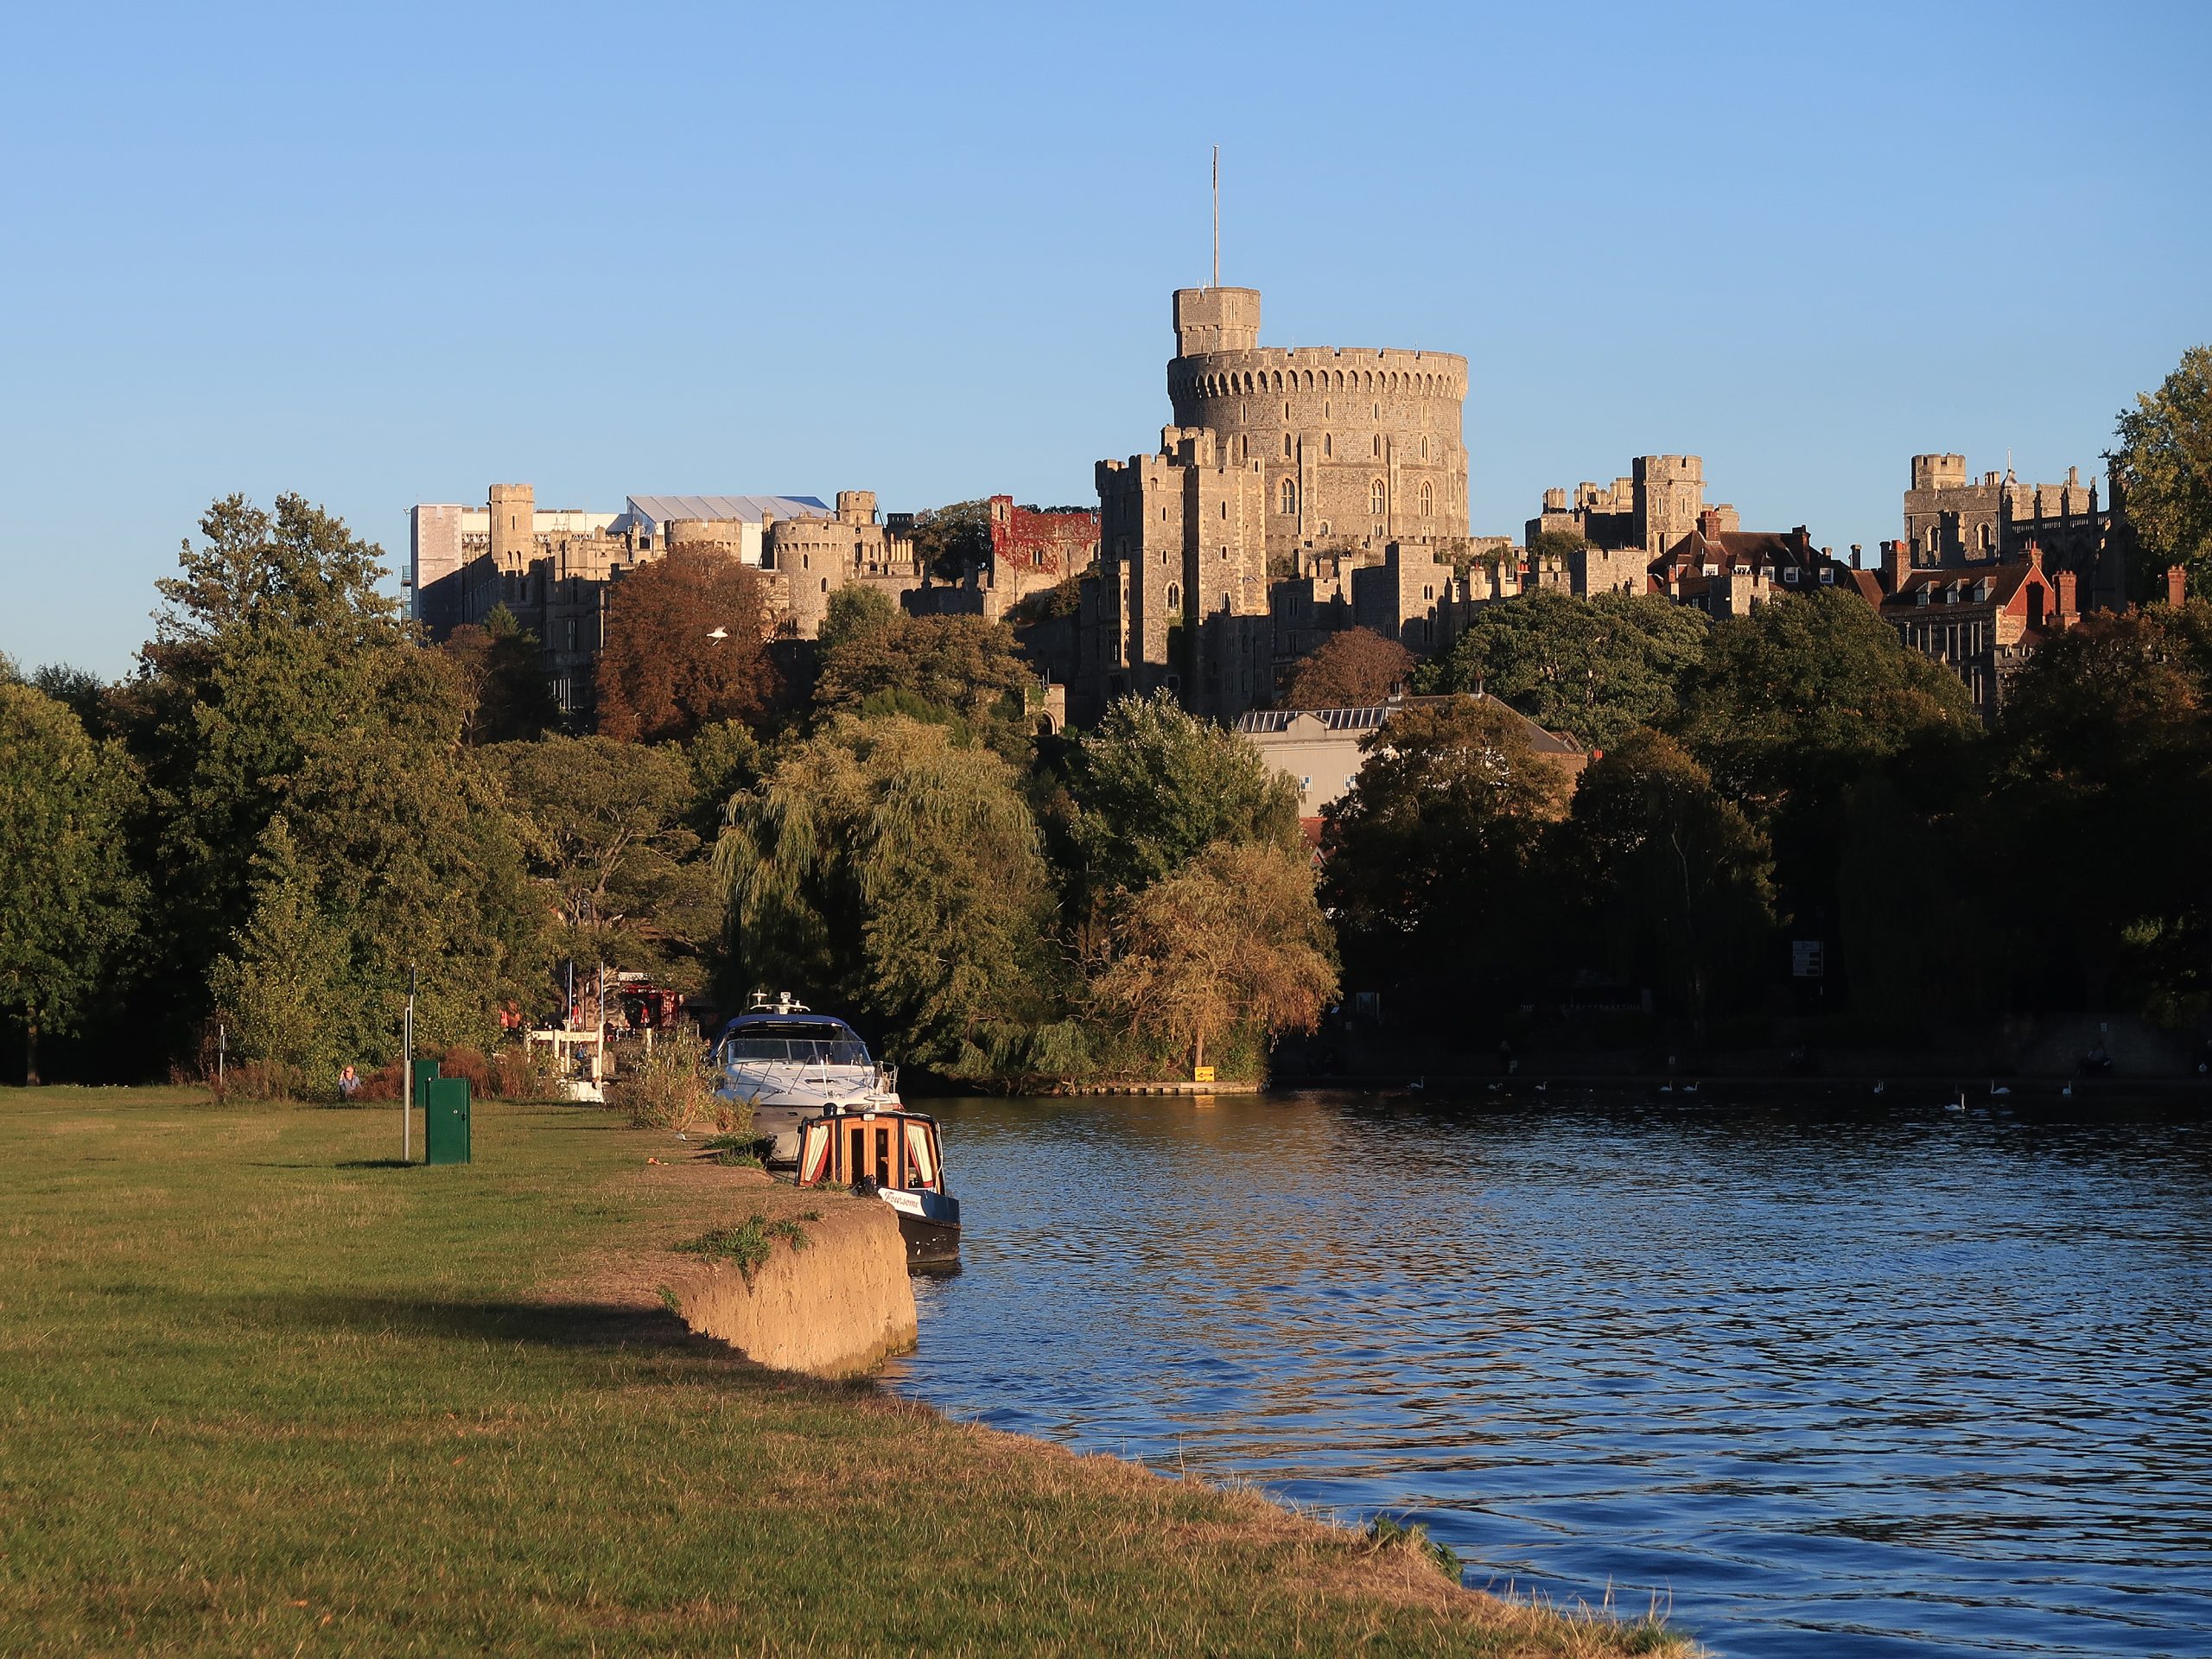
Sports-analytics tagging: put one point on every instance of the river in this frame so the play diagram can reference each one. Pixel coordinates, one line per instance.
(1883, 1382)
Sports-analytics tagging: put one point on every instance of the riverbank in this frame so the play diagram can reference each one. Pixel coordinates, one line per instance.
(267, 1392)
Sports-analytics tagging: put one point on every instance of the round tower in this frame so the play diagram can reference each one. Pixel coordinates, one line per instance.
(1357, 445)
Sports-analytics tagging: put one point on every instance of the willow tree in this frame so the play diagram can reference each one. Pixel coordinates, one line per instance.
(1232, 943)
(886, 868)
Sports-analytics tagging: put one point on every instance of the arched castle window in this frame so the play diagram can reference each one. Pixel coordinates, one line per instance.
(1286, 446)
(1985, 538)
(1378, 445)
(1174, 596)
(1427, 501)
(1286, 412)
(1935, 539)
(1424, 448)
(1377, 497)
(1328, 443)
(1289, 496)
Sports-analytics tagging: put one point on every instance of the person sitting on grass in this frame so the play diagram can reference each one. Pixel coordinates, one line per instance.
(349, 1084)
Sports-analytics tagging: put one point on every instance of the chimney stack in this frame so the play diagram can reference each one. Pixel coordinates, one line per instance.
(2176, 585)
(2070, 610)
(1896, 563)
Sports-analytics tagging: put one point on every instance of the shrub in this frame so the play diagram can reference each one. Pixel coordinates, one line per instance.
(748, 1245)
(670, 1087)
(525, 1071)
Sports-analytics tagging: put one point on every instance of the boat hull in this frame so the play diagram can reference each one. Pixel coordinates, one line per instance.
(929, 1223)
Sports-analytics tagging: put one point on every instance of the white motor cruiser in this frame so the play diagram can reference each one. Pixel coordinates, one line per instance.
(793, 1064)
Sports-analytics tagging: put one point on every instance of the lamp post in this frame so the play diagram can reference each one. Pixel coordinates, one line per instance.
(407, 1074)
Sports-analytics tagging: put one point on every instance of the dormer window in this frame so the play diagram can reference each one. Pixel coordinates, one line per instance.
(1790, 573)
(1827, 574)
(1920, 598)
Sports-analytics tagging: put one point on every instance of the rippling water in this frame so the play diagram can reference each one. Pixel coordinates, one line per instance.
(1905, 1382)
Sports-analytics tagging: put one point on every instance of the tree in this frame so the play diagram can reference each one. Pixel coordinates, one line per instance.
(1803, 693)
(608, 831)
(1426, 859)
(1154, 787)
(961, 665)
(1595, 668)
(1681, 880)
(856, 610)
(68, 896)
(884, 868)
(2106, 748)
(1347, 671)
(412, 857)
(274, 635)
(287, 971)
(684, 646)
(505, 694)
(2163, 469)
(953, 540)
(1232, 941)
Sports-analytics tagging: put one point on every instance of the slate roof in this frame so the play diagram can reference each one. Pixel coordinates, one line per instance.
(2003, 581)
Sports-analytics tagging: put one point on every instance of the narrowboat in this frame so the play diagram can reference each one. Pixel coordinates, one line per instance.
(893, 1153)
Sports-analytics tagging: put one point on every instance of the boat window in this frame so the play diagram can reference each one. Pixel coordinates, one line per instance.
(849, 1051)
(883, 1175)
(856, 1154)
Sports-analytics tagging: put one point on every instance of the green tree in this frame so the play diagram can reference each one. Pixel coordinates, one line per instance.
(1427, 860)
(68, 896)
(1347, 671)
(953, 540)
(1232, 941)
(963, 666)
(1801, 694)
(855, 611)
(1154, 787)
(1795, 705)
(607, 826)
(284, 984)
(2164, 470)
(1596, 669)
(2106, 748)
(506, 697)
(273, 635)
(884, 868)
(414, 859)
(1681, 881)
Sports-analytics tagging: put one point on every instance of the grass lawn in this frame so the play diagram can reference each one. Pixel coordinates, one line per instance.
(263, 1391)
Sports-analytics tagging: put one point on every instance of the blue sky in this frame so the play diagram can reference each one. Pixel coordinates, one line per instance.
(390, 254)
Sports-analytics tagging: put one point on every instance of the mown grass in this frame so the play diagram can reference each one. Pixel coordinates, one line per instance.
(264, 1391)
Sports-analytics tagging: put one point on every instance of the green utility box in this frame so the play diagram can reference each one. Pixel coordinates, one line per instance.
(425, 1070)
(445, 1120)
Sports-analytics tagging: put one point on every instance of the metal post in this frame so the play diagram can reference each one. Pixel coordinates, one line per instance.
(222, 1050)
(407, 1074)
(1217, 215)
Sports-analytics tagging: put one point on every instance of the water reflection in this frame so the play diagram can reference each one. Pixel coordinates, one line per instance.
(1880, 1383)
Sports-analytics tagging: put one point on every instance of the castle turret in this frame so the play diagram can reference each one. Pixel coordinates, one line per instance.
(1209, 320)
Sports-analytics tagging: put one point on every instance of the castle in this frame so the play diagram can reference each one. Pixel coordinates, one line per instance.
(553, 570)
(1297, 488)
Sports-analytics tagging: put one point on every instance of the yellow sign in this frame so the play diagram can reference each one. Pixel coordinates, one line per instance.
(1202, 1074)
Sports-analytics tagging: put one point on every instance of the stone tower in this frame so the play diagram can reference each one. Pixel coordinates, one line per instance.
(514, 534)
(1357, 447)
(1667, 494)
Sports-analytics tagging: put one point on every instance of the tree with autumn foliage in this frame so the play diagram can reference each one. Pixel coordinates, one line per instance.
(683, 648)
(1351, 670)
(1233, 941)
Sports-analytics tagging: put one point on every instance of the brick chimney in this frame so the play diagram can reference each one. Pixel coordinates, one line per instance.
(2070, 609)
(2176, 585)
(1897, 565)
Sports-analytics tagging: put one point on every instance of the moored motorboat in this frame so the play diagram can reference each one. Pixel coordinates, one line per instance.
(895, 1154)
(792, 1063)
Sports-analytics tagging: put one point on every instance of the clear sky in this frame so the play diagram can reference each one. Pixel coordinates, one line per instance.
(388, 254)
